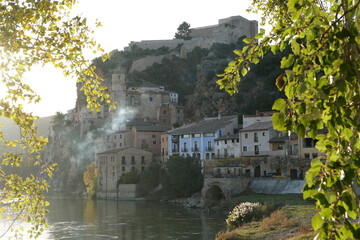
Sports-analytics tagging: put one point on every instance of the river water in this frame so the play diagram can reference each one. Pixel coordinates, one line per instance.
(126, 220)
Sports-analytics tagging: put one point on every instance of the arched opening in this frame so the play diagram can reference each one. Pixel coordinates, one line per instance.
(213, 196)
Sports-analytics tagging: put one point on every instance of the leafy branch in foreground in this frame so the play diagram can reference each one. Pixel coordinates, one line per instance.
(322, 86)
(37, 32)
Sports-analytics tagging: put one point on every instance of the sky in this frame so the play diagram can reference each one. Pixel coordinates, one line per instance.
(125, 21)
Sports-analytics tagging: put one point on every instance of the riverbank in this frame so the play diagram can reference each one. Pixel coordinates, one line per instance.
(291, 221)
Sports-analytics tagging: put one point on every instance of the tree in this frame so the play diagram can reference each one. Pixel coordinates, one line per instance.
(183, 176)
(90, 179)
(322, 87)
(37, 32)
(183, 31)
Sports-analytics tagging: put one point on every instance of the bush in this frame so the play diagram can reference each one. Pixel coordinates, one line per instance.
(183, 176)
(241, 214)
(150, 178)
(129, 178)
(247, 211)
(277, 218)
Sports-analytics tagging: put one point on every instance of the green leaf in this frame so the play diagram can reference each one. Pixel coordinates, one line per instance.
(247, 40)
(317, 222)
(279, 104)
(287, 62)
(278, 120)
(274, 49)
(300, 130)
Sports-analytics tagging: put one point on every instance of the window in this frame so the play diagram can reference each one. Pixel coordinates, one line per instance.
(225, 142)
(150, 99)
(153, 136)
(115, 145)
(196, 135)
(123, 161)
(115, 136)
(196, 146)
(132, 160)
(209, 146)
(256, 138)
(257, 150)
(120, 144)
(209, 135)
(185, 148)
(120, 136)
(185, 136)
(143, 159)
(280, 147)
(154, 142)
(133, 169)
(244, 148)
(309, 143)
(246, 135)
(263, 133)
(307, 155)
(123, 169)
(164, 112)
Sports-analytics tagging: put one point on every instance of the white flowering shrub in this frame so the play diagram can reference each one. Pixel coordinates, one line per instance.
(242, 213)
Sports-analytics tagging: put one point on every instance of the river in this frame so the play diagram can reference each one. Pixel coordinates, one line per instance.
(125, 220)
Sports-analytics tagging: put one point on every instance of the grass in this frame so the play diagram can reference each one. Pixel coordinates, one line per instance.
(292, 221)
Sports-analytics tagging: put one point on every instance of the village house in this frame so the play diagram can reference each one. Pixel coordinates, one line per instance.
(114, 163)
(148, 100)
(198, 138)
(263, 151)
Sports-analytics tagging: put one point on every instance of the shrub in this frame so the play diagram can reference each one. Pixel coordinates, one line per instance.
(241, 214)
(277, 218)
(183, 176)
(129, 178)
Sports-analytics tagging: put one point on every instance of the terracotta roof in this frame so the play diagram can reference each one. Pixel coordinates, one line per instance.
(148, 84)
(258, 126)
(152, 128)
(117, 150)
(206, 125)
(228, 137)
(279, 139)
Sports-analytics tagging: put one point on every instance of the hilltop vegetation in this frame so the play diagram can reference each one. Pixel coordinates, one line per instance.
(194, 78)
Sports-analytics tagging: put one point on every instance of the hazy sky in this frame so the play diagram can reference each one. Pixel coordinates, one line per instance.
(123, 22)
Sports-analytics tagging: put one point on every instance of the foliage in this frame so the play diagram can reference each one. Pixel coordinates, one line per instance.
(321, 83)
(151, 176)
(277, 218)
(90, 179)
(183, 176)
(129, 178)
(241, 214)
(32, 33)
(183, 31)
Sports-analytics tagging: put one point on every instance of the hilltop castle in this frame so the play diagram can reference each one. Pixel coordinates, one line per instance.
(227, 31)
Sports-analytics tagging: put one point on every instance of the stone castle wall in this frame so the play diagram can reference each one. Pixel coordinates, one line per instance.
(227, 31)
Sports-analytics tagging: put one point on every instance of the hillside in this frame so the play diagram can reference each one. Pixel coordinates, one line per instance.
(194, 77)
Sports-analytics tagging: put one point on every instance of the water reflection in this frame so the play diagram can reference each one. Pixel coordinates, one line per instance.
(128, 220)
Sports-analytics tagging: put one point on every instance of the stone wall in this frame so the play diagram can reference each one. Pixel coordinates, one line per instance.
(125, 192)
(229, 186)
(277, 186)
(227, 31)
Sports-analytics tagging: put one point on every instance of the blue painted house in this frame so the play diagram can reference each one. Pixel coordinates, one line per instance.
(197, 139)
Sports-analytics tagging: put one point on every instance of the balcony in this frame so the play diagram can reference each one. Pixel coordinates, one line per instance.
(209, 149)
(175, 150)
(195, 149)
(184, 149)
